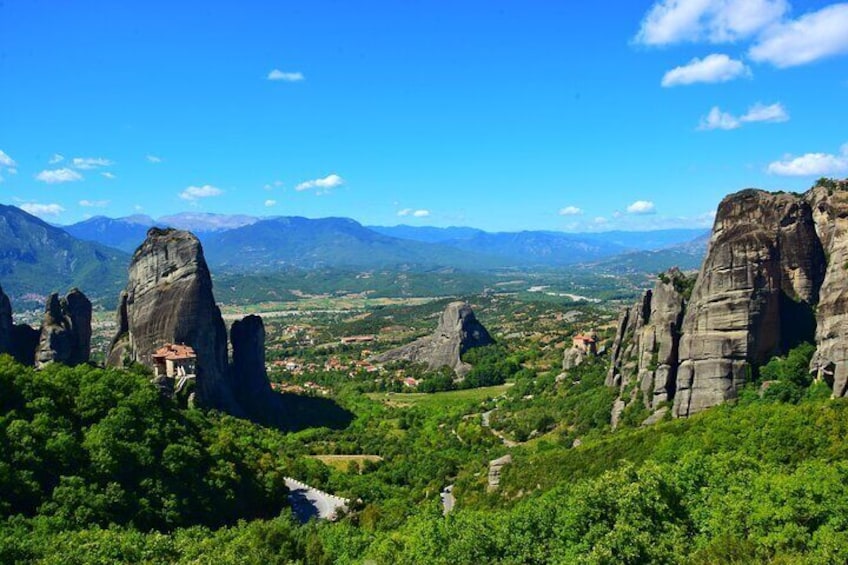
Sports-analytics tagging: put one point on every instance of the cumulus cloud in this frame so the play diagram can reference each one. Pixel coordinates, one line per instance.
(809, 38)
(153, 159)
(88, 163)
(570, 211)
(812, 164)
(641, 207)
(194, 193)
(42, 209)
(56, 158)
(108, 175)
(6, 161)
(713, 68)
(716, 119)
(94, 203)
(273, 185)
(715, 21)
(323, 185)
(420, 213)
(277, 74)
(54, 176)
(269, 203)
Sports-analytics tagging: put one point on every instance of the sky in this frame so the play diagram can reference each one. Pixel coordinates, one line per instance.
(501, 115)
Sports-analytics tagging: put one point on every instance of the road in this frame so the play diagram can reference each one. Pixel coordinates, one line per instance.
(448, 500)
(484, 420)
(308, 502)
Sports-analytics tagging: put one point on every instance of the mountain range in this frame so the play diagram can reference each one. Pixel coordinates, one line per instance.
(37, 258)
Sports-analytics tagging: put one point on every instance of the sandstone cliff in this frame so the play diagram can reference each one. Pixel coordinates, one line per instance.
(644, 354)
(66, 330)
(6, 325)
(775, 275)
(457, 332)
(169, 299)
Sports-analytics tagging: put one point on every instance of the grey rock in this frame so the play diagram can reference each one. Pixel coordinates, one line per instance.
(495, 467)
(249, 378)
(169, 299)
(754, 296)
(66, 330)
(457, 332)
(24, 343)
(6, 325)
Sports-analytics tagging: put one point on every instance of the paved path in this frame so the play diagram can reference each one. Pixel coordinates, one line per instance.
(308, 502)
(484, 420)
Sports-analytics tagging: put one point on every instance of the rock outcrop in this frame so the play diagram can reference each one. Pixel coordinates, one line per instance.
(775, 275)
(25, 341)
(457, 332)
(644, 354)
(169, 299)
(249, 378)
(66, 330)
(754, 296)
(830, 212)
(6, 325)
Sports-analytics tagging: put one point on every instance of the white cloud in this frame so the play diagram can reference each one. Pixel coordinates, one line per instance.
(94, 203)
(713, 68)
(273, 185)
(421, 213)
(6, 161)
(642, 207)
(108, 175)
(715, 21)
(716, 119)
(88, 163)
(323, 185)
(153, 159)
(600, 221)
(270, 203)
(277, 74)
(56, 158)
(811, 37)
(12, 171)
(773, 113)
(811, 164)
(53, 176)
(570, 211)
(194, 193)
(42, 209)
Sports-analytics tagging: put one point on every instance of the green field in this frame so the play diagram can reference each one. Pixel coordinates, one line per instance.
(439, 399)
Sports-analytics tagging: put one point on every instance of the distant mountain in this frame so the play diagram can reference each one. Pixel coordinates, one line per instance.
(537, 248)
(648, 240)
(686, 256)
(330, 242)
(201, 222)
(37, 258)
(125, 234)
(427, 234)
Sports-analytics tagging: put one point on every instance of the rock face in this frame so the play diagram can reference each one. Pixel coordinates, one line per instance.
(249, 379)
(6, 326)
(66, 330)
(458, 331)
(754, 296)
(830, 212)
(775, 275)
(169, 299)
(646, 346)
(25, 341)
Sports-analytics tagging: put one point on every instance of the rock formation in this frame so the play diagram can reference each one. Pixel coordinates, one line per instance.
(66, 330)
(249, 379)
(830, 212)
(644, 354)
(25, 341)
(754, 296)
(169, 299)
(457, 332)
(6, 325)
(775, 275)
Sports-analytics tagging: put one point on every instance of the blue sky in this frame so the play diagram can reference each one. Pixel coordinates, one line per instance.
(501, 115)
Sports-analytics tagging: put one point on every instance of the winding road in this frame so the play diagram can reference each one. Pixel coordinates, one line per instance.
(308, 502)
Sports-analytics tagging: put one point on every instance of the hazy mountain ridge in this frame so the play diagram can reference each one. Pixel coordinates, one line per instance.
(37, 258)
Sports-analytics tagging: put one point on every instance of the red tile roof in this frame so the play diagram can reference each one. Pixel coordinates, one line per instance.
(175, 352)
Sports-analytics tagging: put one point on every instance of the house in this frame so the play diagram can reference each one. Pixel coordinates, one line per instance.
(172, 360)
(351, 339)
(585, 343)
